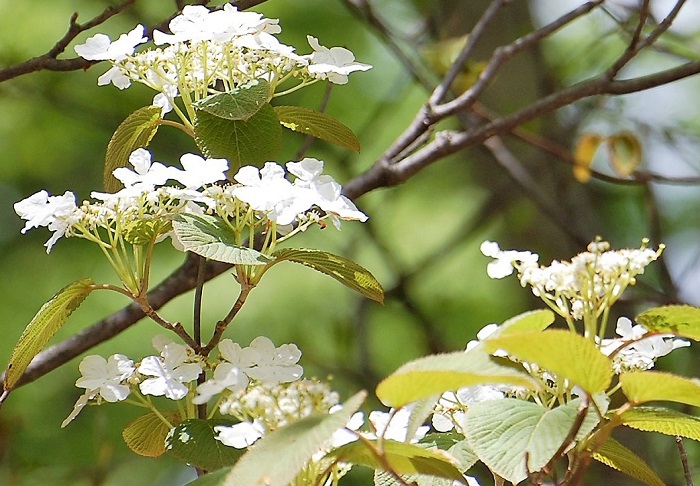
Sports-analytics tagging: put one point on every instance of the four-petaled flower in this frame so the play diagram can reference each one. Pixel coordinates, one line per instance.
(333, 64)
(99, 47)
(55, 212)
(169, 372)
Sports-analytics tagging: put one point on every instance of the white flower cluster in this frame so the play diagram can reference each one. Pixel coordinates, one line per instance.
(206, 48)
(171, 373)
(590, 283)
(636, 349)
(146, 200)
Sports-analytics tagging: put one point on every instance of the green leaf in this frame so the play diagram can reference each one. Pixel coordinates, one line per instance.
(136, 131)
(277, 458)
(531, 321)
(317, 124)
(238, 104)
(249, 142)
(681, 320)
(648, 386)
(343, 270)
(663, 421)
(193, 442)
(209, 237)
(214, 478)
(145, 435)
(403, 458)
(625, 153)
(564, 353)
(142, 231)
(434, 375)
(455, 444)
(509, 434)
(615, 455)
(43, 326)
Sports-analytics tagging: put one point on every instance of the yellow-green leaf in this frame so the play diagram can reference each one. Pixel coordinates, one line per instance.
(531, 321)
(343, 270)
(615, 455)
(564, 353)
(145, 435)
(663, 421)
(585, 150)
(43, 326)
(317, 124)
(136, 131)
(434, 375)
(681, 320)
(649, 386)
(625, 153)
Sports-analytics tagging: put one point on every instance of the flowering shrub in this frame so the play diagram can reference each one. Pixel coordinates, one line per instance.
(520, 399)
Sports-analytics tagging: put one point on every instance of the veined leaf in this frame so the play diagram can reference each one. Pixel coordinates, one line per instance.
(681, 320)
(277, 458)
(43, 326)
(193, 442)
(434, 375)
(145, 435)
(136, 131)
(625, 153)
(238, 104)
(514, 437)
(615, 455)
(242, 142)
(209, 237)
(663, 421)
(585, 150)
(317, 124)
(564, 353)
(531, 321)
(648, 386)
(403, 458)
(343, 270)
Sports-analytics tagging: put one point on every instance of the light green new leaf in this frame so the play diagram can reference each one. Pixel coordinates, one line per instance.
(193, 442)
(531, 321)
(513, 436)
(43, 326)
(681, 320)
(564, 353)
(615, 455)
(249, 142)
(648, 386)
(145, 435)
(343, 270)
(434, 375)
(238, 104)
(403, 458)
(317, 124)
(209, 237)
(662, 420)
(136, 131)
(214, 478)
(277, 458)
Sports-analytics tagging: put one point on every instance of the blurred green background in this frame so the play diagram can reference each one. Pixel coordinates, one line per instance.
(422, 239)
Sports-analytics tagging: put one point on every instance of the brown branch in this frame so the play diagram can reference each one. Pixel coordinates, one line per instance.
(687, 474)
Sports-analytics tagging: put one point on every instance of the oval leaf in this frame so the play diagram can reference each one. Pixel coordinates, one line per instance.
(615, 455)
(209, 237)
(585, 150)
(238, 104)
(531, 321)
(648, 386)
(513, 436)
(402, 458)
(136, 131)
(317, 124)
(249, 142)
(277, 458)
(625, 153)
(43, 326)
(663, 421)
(193, 442)
(434, 375)
(343, 270)
(563, 353)
(145, 435)
(681, 320)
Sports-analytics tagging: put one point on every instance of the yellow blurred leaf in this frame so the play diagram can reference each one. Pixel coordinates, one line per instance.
(584, 152)
(625, 153)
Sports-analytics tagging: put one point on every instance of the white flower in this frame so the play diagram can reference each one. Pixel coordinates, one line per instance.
(106, 376)
(169, 372)
(240, 435)
(333, 64)
(99, 47)
(191, 25)
(226, 377)
(165, 98)
(273, 365)
(198, 171)
(145, 171)
(116, 77)
(505, 261)
(55, 212)
(450, 409)
(397, 428)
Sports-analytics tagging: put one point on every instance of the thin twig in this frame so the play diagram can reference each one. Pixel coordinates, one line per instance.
(223, 324)
(684, 461)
